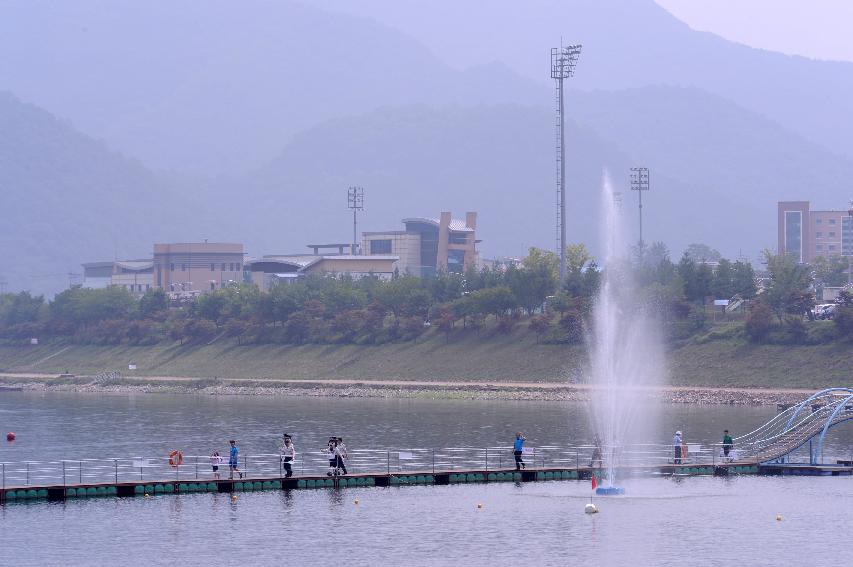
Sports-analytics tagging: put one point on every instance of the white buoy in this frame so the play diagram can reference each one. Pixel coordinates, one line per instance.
(590, 509)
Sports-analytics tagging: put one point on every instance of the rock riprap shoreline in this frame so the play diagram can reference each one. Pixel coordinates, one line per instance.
(115, 383)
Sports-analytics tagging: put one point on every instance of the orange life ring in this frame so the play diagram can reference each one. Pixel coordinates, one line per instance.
(176, 458)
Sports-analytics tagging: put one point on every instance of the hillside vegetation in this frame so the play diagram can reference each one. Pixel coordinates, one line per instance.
(721, 359)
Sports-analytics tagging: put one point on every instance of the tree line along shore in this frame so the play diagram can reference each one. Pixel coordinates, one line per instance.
(487, 302)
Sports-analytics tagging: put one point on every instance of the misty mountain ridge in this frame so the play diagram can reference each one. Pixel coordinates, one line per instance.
(226, 97)
(282, 124)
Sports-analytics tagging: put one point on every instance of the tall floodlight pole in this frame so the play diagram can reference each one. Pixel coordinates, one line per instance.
(849, 243)
(563, 62)
(355, 201)
(640, 183)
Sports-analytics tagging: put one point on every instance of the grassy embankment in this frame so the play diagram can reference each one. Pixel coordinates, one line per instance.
(717, 360)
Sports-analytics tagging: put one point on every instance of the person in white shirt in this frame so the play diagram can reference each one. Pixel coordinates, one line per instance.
(288, 455)
(215, 461)
(341, 455)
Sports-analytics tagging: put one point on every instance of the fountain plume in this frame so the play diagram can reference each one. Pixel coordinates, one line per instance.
(626, 354)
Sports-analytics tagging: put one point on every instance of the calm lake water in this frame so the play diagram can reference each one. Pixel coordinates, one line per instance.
(662, 521)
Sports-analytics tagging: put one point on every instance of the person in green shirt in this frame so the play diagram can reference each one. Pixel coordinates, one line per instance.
(728, 443)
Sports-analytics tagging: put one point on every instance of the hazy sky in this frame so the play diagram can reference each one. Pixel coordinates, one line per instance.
(814, 28)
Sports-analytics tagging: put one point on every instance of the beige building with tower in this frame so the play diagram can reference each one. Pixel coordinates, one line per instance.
(428, 245)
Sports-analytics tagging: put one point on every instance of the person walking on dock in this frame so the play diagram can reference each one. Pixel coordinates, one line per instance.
(333, 459)
(215, 461)
(233, 461)
(288, 454)
(728, 443)
(341, 455)
(676, 443)
(518, 450)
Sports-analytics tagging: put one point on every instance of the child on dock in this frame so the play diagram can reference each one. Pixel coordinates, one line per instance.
(215, 461)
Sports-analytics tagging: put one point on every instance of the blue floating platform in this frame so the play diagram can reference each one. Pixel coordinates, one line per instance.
(609, 490)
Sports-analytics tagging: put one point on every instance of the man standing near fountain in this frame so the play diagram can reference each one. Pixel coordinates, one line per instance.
(676, 443)
(518, 450)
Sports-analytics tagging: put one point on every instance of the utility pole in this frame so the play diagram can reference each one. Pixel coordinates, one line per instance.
(563, 62)
(640, 183)
(355, 201)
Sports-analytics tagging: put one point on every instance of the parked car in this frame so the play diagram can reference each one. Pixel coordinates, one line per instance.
(824, 311)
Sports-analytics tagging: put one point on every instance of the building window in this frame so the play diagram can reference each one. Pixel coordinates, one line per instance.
(458, 238)
(212, 267)
(171, 267)
(223, 266)
(831, 221)
(380, 246)
(238, 266)
(455, 261)
(819, 247)
(212, 286)
(831, 247)
(818, 221)
(794, 234)
(832, 235)
(147, 287)
(818, 235)
(183, 267)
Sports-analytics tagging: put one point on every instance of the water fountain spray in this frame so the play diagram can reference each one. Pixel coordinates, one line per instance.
(626, 353)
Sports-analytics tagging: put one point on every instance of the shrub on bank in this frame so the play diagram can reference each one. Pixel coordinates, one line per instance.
(759, 322)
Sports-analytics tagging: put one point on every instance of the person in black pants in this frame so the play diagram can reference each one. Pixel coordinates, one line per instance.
(518, 450)
(288, 454)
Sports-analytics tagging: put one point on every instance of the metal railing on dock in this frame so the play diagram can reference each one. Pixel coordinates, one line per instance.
(118, 470)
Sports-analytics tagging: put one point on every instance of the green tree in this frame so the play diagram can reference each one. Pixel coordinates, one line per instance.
(789, 291)
(540, 324)
(534, 281)
(702, 253)
(722, 285)
(743, 280)
(16, 308)
(497, 301)
(831, 272)
(153, 302)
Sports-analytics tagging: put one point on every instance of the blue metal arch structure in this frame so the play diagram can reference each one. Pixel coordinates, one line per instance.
(793, 428)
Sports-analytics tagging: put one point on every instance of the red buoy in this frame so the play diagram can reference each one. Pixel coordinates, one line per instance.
(10, 436)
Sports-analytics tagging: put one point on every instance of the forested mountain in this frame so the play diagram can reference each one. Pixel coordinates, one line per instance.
(66, 198)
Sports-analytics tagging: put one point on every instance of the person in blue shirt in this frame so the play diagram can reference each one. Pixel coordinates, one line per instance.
(518, 450)
(233, 460)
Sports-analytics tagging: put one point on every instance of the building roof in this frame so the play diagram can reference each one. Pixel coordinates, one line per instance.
(135, 265)
(303, 261)
(126, 264)
(456, 225)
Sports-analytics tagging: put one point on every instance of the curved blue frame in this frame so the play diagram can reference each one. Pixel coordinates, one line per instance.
(829, 424)
(802, 404)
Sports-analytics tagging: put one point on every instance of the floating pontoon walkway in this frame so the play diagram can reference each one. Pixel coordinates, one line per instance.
(164, 486)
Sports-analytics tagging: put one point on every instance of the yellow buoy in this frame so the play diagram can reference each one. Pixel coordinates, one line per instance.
(479, 506)
(355, 501)
(147, 495)
(234, 498)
